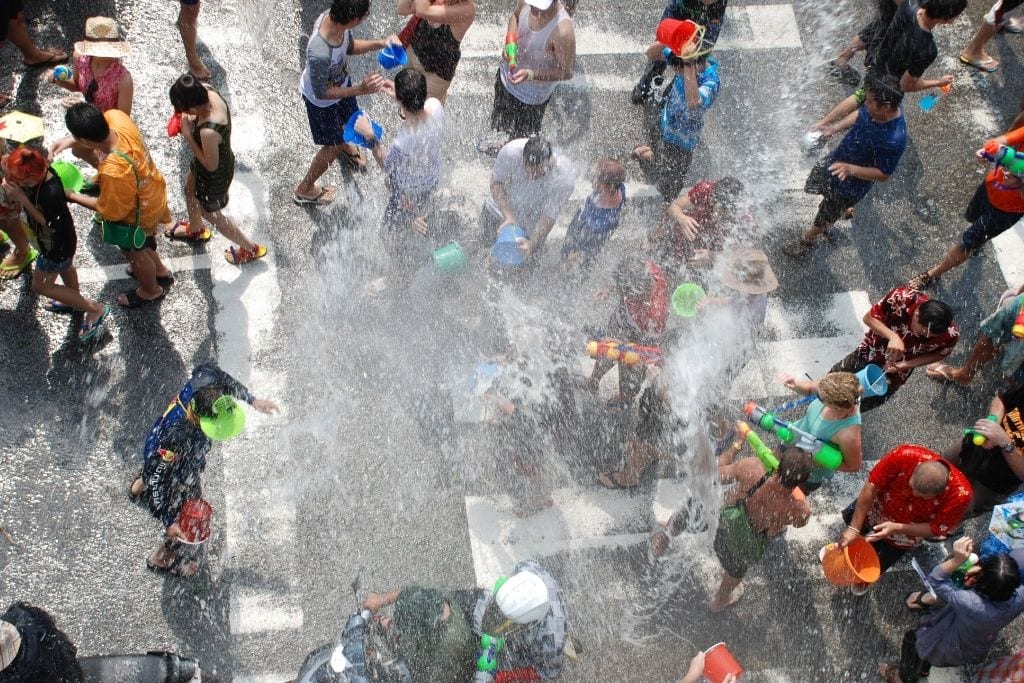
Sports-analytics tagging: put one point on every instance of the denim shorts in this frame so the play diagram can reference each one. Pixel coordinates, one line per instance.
(47, 265)
(327, 124)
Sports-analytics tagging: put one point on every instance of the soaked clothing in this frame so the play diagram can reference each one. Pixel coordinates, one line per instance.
(540, 645)
(815, 424)
(174, 455)
(988, 466)
(57, 238)
(994, 209)
(905, 47)
(326, 66)
(591, 227)
(873, 34)
(212, 186)
(124, 186)
(435, 651)
(45, 654)
(999, 328)
(436, 49)
(871, 145)
(102, 90)
(680, 125)
(534, 55)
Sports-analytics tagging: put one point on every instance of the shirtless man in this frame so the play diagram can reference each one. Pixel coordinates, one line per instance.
(771, 502)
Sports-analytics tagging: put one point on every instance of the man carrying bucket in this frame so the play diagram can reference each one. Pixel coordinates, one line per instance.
(911, 494)
(174, 455)
(906, 330)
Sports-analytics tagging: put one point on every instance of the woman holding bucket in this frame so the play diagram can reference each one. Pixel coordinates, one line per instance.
(962, 629)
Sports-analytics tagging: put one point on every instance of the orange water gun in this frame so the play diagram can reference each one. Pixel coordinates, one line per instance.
(624, 352)
(511, 49)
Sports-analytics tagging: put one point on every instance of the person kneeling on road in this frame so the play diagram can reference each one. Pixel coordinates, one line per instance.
(174, 455)
(522, 624)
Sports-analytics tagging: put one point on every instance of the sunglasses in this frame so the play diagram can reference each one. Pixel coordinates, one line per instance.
(90, 91)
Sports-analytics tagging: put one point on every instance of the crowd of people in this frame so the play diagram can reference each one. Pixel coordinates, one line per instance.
(704, 234)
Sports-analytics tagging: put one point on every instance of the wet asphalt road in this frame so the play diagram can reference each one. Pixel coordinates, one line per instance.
(362, 471)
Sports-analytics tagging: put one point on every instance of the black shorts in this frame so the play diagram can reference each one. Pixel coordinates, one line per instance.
(327, 124)
(986, 221)
(9, 10)
(734, 565)
(213, 204)
(512, 116)
(189, 2)
(150, 243)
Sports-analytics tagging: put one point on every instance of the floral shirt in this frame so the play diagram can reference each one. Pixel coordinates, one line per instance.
(896, 501)
(895, 311)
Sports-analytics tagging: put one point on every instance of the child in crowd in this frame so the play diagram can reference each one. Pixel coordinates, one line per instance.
(206, 128)
(597, 219)
(674, 125)
(30, 182)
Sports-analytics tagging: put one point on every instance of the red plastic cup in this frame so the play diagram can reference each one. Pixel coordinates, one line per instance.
(675, 34)
(719, 663)
(194, 520)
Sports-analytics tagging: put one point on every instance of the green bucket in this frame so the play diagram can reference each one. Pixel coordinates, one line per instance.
(69, 174)
(449, 259)
(685, 298)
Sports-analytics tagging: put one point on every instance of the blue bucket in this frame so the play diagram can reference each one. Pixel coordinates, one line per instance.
(392, 56)
(872, 381)
(505, 250)
(350, 134)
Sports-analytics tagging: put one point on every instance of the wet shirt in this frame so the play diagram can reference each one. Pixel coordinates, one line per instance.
(905, 47)
(531, 199)
(647, 314)
(896, 502)
(814, 423)
(709, 15)
(599, 219)
(989, 466)
(541, 645)
(895, 311)
(57, 238)
(1010, 200)
(414, 163)
(326, 66)
(871, 145)
(999, 328)
(119, 188)
(680, 125)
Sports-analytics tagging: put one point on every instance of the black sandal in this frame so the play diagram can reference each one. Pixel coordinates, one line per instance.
(917, 604)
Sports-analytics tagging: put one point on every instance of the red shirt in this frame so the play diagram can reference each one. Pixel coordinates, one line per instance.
(895, 310)
(896, 501)
(649, 314)
(1008, 200)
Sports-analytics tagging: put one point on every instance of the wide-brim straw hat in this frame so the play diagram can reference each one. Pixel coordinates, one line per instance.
(747, 270)
(102, 39)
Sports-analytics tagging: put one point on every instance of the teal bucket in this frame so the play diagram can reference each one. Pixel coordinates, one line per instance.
(449, 259)
(872, 381)
(685, 299)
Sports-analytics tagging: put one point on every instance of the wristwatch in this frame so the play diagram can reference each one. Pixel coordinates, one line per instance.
(1008, 447)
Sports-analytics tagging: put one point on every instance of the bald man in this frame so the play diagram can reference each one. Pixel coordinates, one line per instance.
(911, 494)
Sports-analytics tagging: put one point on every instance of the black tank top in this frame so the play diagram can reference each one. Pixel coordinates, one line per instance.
(436, 48)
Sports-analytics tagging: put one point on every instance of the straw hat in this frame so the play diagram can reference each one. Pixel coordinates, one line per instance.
(102, 39)
(10, 643)
(747, 270)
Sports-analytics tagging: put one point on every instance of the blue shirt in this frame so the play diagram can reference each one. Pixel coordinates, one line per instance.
(872, 145)
(680, 125)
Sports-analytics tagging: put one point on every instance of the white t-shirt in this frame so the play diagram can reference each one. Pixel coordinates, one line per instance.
(530, 200)
(414, 161)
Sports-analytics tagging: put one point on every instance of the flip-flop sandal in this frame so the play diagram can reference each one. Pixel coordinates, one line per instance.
(162, 280)
(135, 301)
(187, 235)
(917, 604)
(158, 569)
(326, 195)
(54, 306)
(89, 330)
(12, 272)
(238, 256)
(52, 61)
(354, 160)
(922, 281)
(1011, 26)
(987, 67)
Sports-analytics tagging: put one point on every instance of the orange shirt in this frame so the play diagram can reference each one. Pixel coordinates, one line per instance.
(118, 189)
(1008, 200)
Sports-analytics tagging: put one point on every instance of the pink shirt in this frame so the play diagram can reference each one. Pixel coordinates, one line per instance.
(105, 96)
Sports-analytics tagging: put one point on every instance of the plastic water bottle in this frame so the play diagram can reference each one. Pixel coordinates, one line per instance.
(929, 101)
(961, 571)
(62, 73)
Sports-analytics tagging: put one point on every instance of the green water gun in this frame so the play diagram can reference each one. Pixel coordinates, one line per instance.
(511, 49)
(1005, 156)
(763, 453)
(824, 453)
(977, 438)
(490, 648)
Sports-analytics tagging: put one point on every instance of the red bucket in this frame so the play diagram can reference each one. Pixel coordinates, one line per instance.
(194, 520)
(719, 663)
(676, 34)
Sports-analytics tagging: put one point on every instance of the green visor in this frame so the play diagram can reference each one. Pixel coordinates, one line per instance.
(227, 421)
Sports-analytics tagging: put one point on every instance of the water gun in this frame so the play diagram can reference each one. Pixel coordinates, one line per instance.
(624, 352)
(174, 125)
(825, 454)
(487, 656)
(1005, 156)
(977, 438)
(511, 49)
(961, 572)
(1018, 323)
(763, 453)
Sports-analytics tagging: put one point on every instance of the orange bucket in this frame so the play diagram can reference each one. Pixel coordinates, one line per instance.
(194, 520)
(719, 663)
(675, 34)
(856, 563)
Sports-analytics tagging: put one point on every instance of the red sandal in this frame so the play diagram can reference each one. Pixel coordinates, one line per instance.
(237, 255)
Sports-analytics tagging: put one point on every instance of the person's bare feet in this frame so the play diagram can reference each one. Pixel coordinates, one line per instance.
(199, 70)
(45, 56)
(889, 672)
(943, 372)
(717, 606)
(643, 153)
(657, 544)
